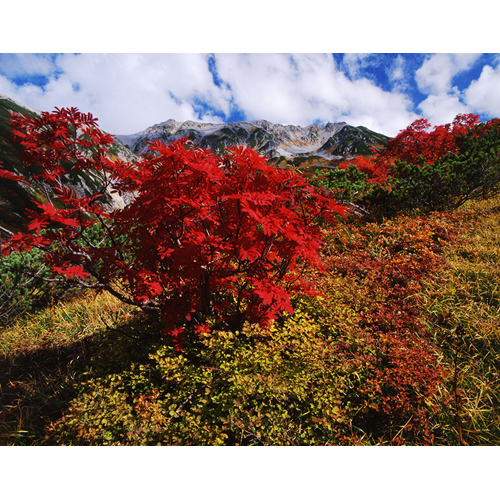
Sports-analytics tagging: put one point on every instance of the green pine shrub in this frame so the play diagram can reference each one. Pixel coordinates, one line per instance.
(20, 293)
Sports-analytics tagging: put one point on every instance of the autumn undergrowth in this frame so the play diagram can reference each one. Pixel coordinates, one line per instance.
(401, 346)
(40, 356)
(463, 312)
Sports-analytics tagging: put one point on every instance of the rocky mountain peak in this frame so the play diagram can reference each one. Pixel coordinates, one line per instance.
(331, 141)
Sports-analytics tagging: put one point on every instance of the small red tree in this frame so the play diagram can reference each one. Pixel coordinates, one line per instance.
(413, 143)
(418, 140)
(433, 169)
(205, 236)
(375, 167)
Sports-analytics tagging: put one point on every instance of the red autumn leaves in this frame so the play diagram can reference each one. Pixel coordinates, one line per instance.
(205, 236)
(413, 143)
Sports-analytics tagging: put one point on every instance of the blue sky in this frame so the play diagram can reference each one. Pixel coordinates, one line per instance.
(128, 92)
(365, 63)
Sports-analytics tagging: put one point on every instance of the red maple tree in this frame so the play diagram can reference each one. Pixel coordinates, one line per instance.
(225, 237)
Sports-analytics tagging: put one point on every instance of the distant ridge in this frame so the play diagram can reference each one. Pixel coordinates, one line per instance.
(313, 144)
(332, 141)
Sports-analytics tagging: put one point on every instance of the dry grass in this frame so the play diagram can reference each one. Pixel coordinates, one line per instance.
(463, 307)
(63, 324)
(40, 357)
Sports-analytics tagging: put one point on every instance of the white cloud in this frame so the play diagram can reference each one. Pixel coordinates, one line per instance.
(14, 65)
(436, 73)
(307, 87)
(442, 109)
(484, 94)
(396, 72)
(129, 92)
(7, 87)
(435, 77)
(354, 64)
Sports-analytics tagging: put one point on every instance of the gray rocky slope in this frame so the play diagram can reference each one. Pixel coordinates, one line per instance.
(331, 141)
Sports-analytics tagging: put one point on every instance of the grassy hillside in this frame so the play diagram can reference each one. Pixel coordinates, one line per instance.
(402, 347)
(15, 198)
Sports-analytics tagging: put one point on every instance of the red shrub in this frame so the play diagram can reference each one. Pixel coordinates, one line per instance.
(376, 168)
(205, 236)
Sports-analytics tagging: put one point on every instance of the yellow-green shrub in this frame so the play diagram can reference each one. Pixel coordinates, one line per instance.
(276, 386)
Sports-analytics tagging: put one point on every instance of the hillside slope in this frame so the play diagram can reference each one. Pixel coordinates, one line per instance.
(15, 197)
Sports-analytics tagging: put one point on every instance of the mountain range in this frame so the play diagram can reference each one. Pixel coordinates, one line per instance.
(285, 145)
(333, 141)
